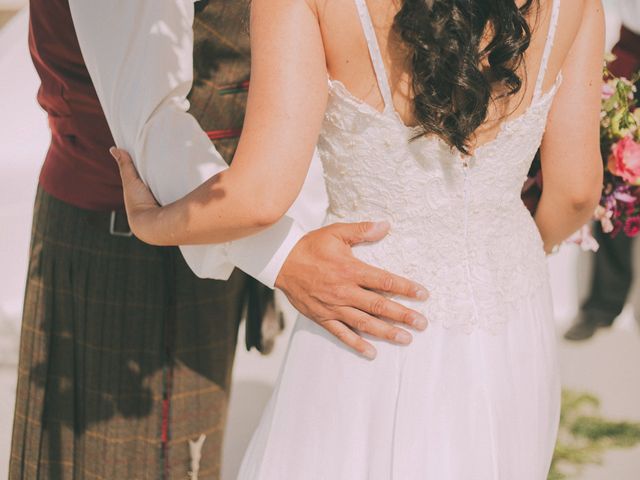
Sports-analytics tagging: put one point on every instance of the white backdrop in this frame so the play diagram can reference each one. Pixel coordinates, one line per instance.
(11, 4)
(606, 366)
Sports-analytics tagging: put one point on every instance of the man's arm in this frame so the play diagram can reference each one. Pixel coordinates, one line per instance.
(139, 55)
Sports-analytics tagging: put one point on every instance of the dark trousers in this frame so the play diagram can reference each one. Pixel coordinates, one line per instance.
(611, 278)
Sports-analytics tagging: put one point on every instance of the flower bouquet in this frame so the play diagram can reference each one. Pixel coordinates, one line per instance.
(619, 209)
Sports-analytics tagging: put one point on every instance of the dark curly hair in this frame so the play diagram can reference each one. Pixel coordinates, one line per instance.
(447, 46)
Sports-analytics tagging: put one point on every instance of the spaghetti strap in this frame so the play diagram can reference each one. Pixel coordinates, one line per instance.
(374, 52)
(553, 26)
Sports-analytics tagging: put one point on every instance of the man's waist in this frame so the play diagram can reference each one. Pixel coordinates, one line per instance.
(82, 178)
(66, 216)
(89, 126)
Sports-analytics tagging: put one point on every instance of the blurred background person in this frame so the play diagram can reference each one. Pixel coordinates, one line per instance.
(612, 273)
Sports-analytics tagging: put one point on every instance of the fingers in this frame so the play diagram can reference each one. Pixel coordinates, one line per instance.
(371, 277)
(360, 322)
(350, 338)
(374, 278)
(365, 323)
(128, 170)
(378, 306)
(353, 233)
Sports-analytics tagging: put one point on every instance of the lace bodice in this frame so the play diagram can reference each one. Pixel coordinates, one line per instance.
(460, 228)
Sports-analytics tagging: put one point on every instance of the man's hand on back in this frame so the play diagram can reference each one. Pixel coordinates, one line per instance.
(327, 284)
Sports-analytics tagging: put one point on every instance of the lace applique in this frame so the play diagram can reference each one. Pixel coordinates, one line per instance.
(459, 228)
(477, 275)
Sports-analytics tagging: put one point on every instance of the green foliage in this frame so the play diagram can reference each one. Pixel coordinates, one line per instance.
(585, 435)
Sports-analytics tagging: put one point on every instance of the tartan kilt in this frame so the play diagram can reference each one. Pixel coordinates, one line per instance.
(125, 355)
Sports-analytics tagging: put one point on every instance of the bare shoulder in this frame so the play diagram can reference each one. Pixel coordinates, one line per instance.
(277, 20)
(591, 20)
(593, 7)
(577, 17)
(593, 12)
(279, 7)
(583, 12)
(573, 13)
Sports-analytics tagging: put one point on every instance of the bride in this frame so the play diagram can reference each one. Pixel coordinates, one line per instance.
(427, 115)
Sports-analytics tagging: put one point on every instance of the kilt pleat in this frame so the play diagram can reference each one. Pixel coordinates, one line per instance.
(117, 336)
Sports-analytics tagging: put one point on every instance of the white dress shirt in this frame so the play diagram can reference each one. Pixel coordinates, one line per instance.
(630, 14)
(139, 54)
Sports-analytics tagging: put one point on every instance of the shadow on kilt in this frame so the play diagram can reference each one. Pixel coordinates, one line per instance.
(122, 347)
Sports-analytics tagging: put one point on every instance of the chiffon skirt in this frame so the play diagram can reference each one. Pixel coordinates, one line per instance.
(451, 406)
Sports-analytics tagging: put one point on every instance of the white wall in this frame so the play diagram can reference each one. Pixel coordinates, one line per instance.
(12, 4)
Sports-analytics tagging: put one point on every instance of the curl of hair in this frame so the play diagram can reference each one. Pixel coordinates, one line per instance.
(463, 54)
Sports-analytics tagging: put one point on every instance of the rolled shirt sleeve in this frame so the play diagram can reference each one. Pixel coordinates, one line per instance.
(140, 57)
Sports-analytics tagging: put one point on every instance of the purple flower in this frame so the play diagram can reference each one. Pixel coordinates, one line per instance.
(624, 196)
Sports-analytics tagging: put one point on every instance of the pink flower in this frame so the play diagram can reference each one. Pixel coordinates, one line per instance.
(604, 217)
(632, 226)
(624, 197)
(584, 239)
(607, 91)
(607, 225)
(624, 160)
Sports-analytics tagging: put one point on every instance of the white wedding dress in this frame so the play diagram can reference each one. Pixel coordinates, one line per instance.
(476, 396)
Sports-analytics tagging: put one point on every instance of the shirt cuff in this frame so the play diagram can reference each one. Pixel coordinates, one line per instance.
(262, 255)
(208, 261)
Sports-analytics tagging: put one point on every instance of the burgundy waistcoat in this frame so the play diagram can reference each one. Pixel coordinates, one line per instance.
(78, 168)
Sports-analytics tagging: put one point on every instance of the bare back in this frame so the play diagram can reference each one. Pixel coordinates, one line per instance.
(348, 59)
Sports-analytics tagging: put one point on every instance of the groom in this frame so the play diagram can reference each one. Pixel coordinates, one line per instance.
(125, 353)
